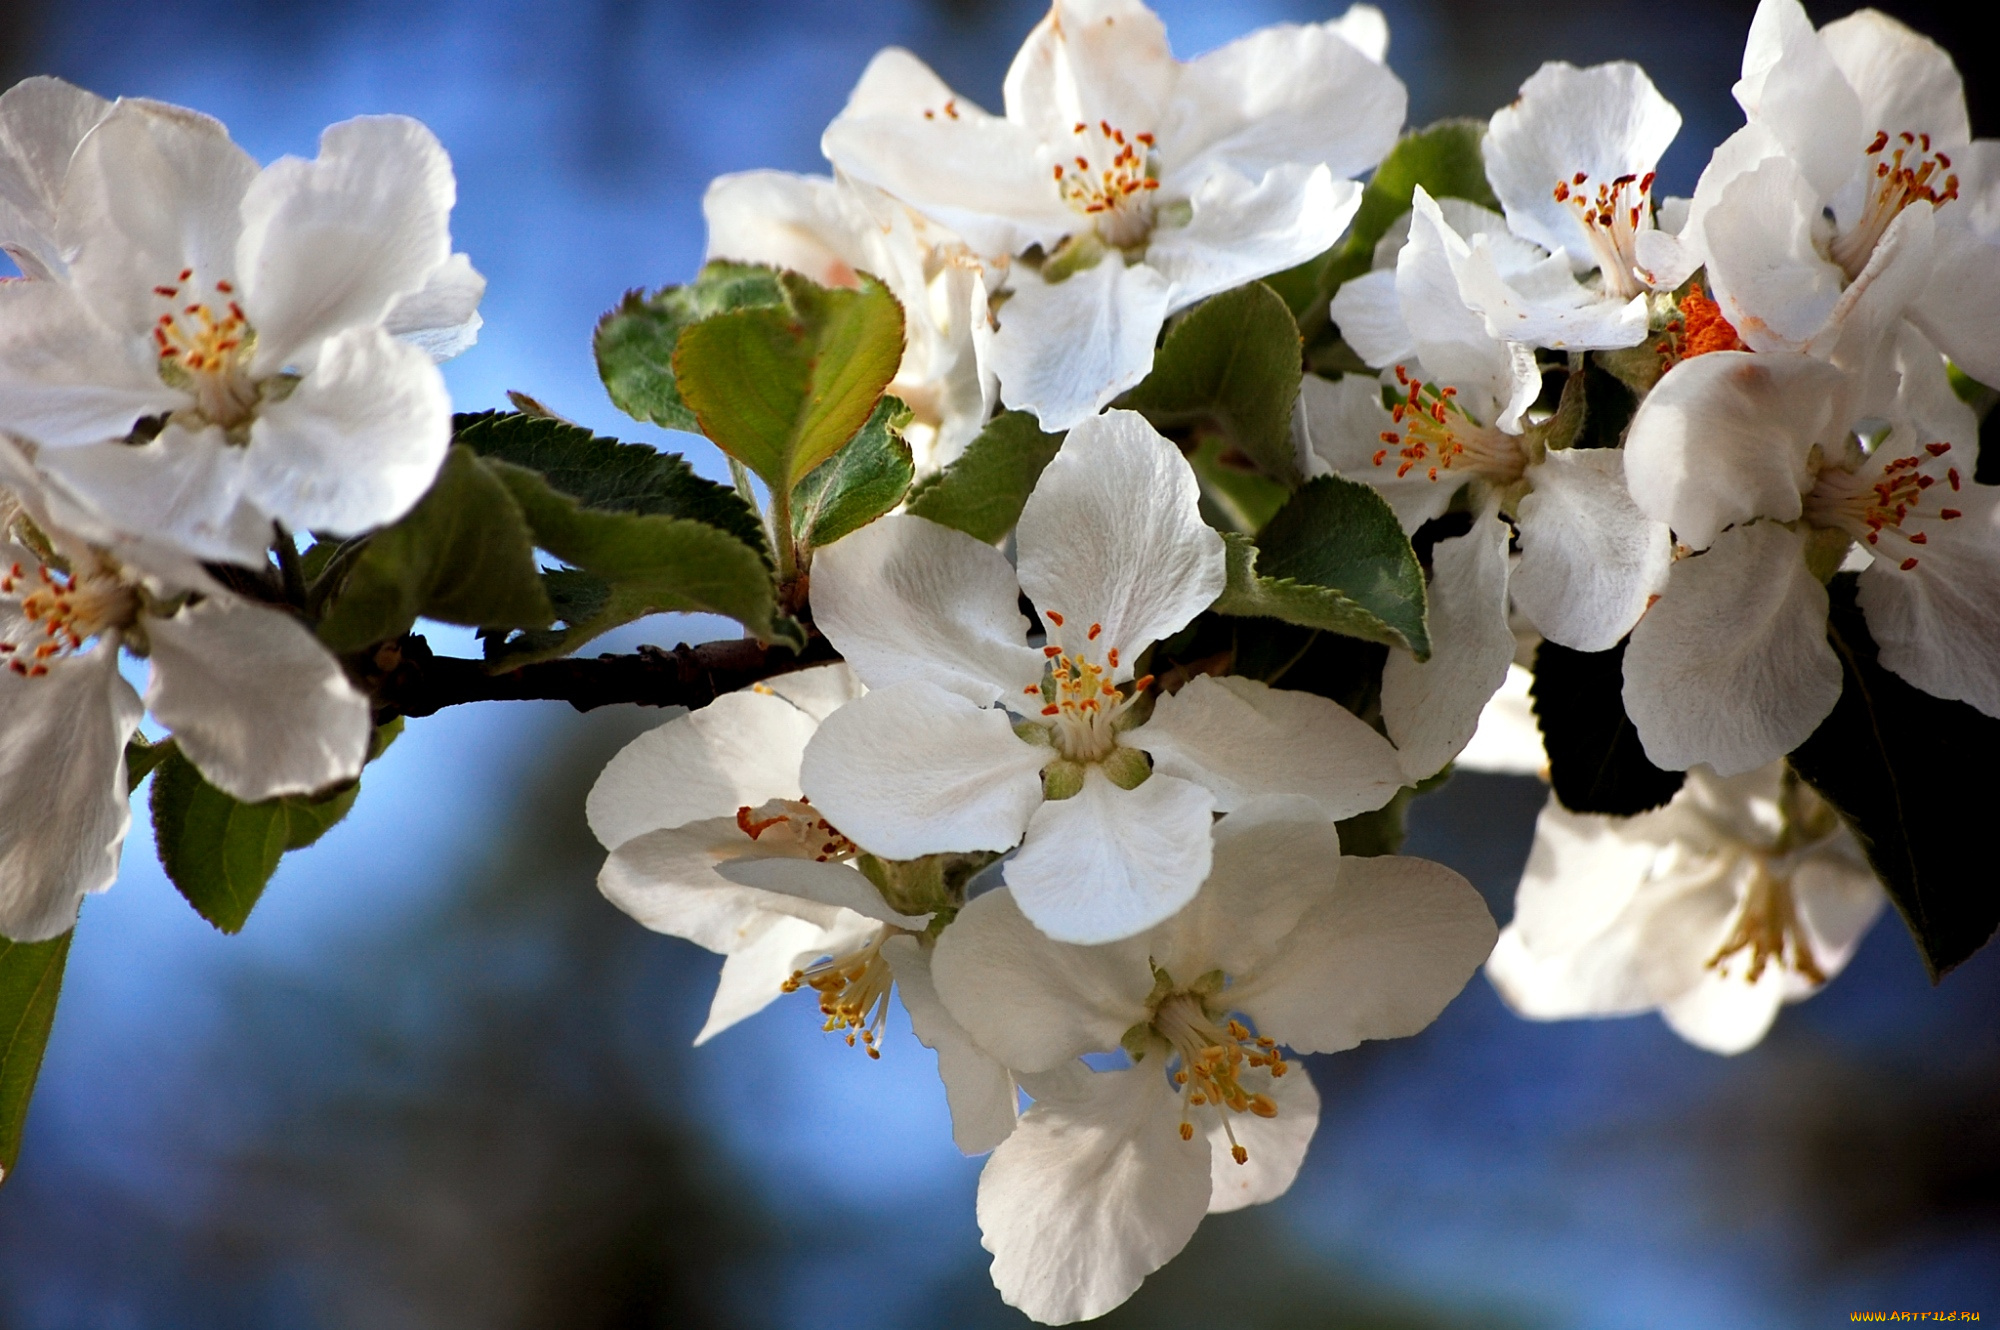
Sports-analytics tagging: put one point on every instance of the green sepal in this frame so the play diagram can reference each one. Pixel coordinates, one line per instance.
(859, 483)
(1334, 558)
(219, 852)
(463, 555)
(1127, 768)
(31, 975)
(1231, 366)
(1140, 1040)
(1062, 779)
(635, 342)
(983, 492)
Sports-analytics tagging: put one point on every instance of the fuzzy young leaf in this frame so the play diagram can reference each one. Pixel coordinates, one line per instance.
(635, 342)
(780, 389)
(1596, 762)
(31, 975)
(464, 554)
(983, 492)
(1894, 761)
(220, 852)
(1334, 557)
(603, 473)
(1231, 365)
(857, 484)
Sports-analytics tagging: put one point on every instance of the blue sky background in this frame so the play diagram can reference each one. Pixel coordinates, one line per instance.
(307, 1124)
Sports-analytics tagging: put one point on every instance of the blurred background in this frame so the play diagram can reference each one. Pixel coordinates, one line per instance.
(439, 1082)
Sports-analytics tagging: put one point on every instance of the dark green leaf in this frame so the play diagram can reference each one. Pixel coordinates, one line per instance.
(1243, 497)
(31, 975)
(1596, 762)
(983, 492)
(219, 852)
(1608, 406)
(857, 484)
(603, 473)
(1907, 772)
(635, 342)
(141, 757)
(1334, 557)
(462, 555)
(1231, 365)
(781, 388)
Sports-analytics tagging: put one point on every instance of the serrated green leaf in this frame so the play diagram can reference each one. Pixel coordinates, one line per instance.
(1231, 365)
(464, 554)
(1596, 762)
(983, 492)
(31, 975)
(1902, 767)
(857, 484)
(646, 563)
(781, 388)
(635, 342)
(220, 852)
(603, 473)
(1334, 557)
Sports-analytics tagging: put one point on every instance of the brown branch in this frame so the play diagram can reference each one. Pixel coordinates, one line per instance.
(405, 679)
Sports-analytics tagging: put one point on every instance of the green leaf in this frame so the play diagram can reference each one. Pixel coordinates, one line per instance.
(983, 492)
(645, 563)
(31, 975)
(141, 757)
(220, 852)
(603, 473)
(857, 484)
(1902, 767)
(464, 554)
(780, 389)
(635, 342)
(1243, 497)
(1334, 557)
(1232, 365)
(1596, 762)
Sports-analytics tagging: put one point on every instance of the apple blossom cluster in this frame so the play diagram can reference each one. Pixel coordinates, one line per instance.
(1132, 511)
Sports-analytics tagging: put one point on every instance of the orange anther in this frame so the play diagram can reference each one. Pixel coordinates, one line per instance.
(1095, 629)
(1055, 618)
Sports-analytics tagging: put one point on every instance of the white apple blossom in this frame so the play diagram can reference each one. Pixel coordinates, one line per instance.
(251, 698)
(971, 739)
(1767, 466)
(711, 841)
(1857, 162)
(1287, 946)
(1144, 184)
(1509, 739)
(1571, 161)
(830, 230)
(1742, 894)
(203, 348)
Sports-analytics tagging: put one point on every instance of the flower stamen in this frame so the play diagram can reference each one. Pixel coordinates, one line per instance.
(1111, 180)
(1887, 497)
(1904, 171)
(64, 612)
(1213, 1061)
(1438, 435)
(1612, 218)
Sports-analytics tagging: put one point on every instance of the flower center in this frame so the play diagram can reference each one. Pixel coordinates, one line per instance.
(1767, 929)
(1697, 328)
(1891, 499)
(1081, 704)
(1612, 218)
(853, 990)
(63, 613)
(204, 350)
(1904, 171)
(1110, 179)
(1438, 435)
(1215, 1059)
(797, 822)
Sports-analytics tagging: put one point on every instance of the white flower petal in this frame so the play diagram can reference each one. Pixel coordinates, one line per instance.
(820, 882)
(1276, 1146)
(358, 442)
(65, 379)
(1938, 624)
(1497, 381)
(773, 947)
(803, 222)
(1342, 422)
(1960, 308)
(912, 769)
(1838, 899)
(184, 488)
(1377, 958)
(1906, 82)
(1508, 740)
(669, 880)
(1035, 1003)
(1432, 708)
(819, 691)
(1094, 1191)
(1590, 560)
(1606, 121)
(904, 598)
(41, 121)
(1244, 740)
(1092, 60)
(1725, 1014)
(1274, 859)
(1726, 437)
(1245, 228)
(254, 701)
(1109, 862)
(1732, 666)
(63, 810)
(441, 320)
(1064, 351)
(1772, 282)
(1113, 537)
(980, 1090)
(1792, 89)
(1370, 318)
